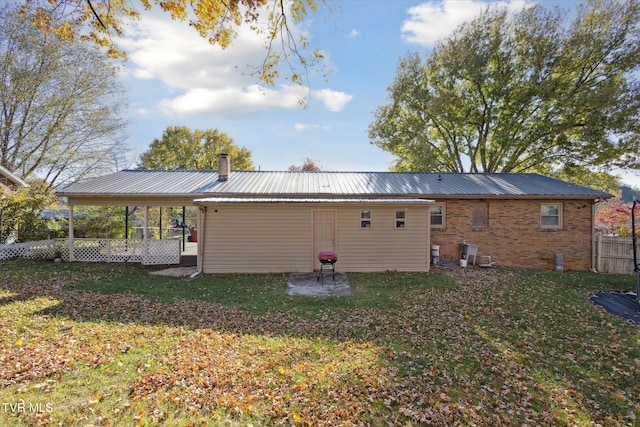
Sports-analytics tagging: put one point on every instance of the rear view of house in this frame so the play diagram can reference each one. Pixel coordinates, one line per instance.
(276, 234)
(262, 221)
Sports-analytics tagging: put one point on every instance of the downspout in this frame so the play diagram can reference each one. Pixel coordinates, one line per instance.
(594, 256)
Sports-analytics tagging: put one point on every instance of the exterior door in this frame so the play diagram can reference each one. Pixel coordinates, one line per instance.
(324, 234)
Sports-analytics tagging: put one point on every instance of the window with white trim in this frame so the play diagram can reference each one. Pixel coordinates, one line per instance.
(437, 212)
(551, 215)
(365, 219)
(400, 217)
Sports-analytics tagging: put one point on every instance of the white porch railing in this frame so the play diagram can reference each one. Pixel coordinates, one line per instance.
(98, 250)
(41, 249)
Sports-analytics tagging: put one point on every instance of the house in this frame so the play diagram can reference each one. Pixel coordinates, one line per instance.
(262, 221)
(9, 182)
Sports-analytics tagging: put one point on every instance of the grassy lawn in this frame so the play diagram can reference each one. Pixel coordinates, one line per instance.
(89, 344)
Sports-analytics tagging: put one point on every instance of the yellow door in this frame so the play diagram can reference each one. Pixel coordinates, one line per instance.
(324, 234)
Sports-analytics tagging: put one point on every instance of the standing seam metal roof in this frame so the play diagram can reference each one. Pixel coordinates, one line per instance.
(300, 184)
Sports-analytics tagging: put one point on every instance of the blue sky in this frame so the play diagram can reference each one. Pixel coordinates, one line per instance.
(174, 77)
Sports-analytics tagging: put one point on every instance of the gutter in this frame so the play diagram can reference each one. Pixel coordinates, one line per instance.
(594, 255)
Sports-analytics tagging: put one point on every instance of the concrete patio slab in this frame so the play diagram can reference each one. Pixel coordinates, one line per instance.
(307, 284)
(176, 271)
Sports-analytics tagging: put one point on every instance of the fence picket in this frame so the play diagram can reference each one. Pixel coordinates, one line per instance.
(615, 254)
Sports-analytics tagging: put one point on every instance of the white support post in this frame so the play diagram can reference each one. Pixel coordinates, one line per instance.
(145, 234)
(71, 232)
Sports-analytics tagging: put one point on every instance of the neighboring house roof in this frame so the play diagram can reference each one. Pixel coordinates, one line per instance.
(12, 177)
(55, 214)
(202, 184)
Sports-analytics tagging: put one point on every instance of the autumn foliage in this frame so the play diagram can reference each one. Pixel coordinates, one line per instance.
(463, 347)
(103, 21)
(614, 218)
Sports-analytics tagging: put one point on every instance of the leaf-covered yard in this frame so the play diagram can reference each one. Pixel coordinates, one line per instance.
(109, 345)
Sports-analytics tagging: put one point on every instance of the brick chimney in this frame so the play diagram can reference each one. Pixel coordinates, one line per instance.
(223, 167)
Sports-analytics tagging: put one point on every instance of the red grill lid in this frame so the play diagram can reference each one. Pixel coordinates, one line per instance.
(327, 256)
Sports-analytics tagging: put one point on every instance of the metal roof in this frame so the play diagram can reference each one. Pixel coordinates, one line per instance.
(201, 184)
(295, 200)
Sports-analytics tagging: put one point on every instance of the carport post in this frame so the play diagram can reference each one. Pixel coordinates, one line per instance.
(145, 232)
(71, 232)
(184, 219)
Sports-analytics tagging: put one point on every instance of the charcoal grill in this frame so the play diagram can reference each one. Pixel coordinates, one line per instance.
(327, 259)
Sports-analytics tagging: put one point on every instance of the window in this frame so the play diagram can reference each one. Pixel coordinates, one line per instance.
(479, 219)
(365, 219)
(400, 219)
(437, 216)
(551, 216)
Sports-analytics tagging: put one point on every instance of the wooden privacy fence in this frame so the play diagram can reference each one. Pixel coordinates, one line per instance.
(615, 254)
(98, 250)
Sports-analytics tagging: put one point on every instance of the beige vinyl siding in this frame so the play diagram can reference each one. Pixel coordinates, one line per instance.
(383, 246)
(257, 238)
(262, 238)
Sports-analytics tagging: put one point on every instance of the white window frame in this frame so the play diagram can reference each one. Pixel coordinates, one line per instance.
(544, 207)
(443, 210)
(365, 220)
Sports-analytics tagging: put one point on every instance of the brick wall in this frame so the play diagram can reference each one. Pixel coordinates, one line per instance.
(513, 236)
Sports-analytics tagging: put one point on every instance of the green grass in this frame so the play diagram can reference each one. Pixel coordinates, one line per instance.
(108, 345)
(257, 293)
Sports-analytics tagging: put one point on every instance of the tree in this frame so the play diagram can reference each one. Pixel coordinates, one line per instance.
(582, 176)
(20, 212)
(523, 92)
(217, 21)
(181, 149)
(614, 218)
(60, 105)
(99, 222)
(308, 165)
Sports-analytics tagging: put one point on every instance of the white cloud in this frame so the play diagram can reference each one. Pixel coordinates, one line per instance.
(433, 20)
(353, 33)
(232, 100)
(301, 127)
(143, 74)
(207, 79)
(333, 100)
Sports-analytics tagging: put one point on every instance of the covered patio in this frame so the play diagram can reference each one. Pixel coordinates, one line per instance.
(148, 242)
